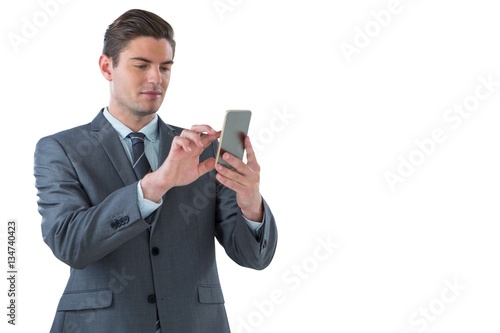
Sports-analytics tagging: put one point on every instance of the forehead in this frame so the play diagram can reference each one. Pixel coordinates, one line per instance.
(158, 50)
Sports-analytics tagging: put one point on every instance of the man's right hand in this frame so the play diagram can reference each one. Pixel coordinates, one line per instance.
(182, 166)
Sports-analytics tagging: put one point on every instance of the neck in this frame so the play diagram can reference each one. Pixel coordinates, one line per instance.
(133, 120)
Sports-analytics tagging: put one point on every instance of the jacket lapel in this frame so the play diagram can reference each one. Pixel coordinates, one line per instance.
(106, 135)
(166, 137)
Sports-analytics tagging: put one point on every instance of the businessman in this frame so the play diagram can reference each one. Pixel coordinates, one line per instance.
(133, 205)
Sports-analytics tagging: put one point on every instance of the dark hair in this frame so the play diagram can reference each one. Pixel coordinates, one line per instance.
(132, 24)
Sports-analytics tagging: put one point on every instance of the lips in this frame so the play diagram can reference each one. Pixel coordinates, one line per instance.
(151, 94)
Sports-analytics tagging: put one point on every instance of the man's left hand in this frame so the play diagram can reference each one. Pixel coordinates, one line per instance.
(244, 180)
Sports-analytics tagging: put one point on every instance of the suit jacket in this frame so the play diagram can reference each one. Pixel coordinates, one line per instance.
(125, 268)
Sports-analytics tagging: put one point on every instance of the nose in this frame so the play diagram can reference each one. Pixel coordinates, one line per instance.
(154, 76)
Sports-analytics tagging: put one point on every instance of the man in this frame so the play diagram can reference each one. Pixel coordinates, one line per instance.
(141, 247)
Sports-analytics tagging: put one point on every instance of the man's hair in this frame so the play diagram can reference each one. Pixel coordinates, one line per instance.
(132, 24)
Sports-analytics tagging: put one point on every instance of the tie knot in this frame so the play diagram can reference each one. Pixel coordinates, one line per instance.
(136, 137)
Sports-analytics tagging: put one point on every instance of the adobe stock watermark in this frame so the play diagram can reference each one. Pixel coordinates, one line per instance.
(280, 120)
(423, 318)
(291, 281)
(32, 24)
(453, 118)
(379, 20)
(201, 198)
(222, 7)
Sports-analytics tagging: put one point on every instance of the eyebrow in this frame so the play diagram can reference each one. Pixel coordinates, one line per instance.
(168, 62)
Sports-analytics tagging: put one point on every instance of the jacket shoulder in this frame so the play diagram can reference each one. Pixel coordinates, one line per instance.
(76, 133)
(67, 136)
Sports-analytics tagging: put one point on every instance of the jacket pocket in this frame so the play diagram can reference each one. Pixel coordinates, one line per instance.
(210, 294)
(95, 299)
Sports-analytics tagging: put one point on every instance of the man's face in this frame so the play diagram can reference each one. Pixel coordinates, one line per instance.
(140, 80)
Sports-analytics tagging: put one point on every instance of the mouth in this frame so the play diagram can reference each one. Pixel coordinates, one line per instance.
(151, 94)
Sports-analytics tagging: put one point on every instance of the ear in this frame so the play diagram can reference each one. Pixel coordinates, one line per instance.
(106, 67)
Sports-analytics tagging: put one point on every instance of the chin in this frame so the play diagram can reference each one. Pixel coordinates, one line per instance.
(147, 110)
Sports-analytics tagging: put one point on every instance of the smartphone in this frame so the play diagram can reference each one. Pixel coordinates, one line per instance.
(234, 132)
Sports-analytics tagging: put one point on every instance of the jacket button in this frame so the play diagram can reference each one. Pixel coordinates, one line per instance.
(152, 299)
(155, 251)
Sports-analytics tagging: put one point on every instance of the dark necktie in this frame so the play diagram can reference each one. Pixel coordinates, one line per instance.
(139, 160)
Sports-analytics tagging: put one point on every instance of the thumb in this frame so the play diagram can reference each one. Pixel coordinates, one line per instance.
(206, 166)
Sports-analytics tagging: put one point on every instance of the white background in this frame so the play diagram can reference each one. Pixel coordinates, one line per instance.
(328, 126)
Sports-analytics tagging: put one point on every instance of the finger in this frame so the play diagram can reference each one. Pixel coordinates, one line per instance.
(192, 136)
(183, 143)
(203, 129)
(251, 157)
(226, 172)
(228, 182)
(238, 183)
(209, 138)
(234, 162)
(241, 174)
(206, 166)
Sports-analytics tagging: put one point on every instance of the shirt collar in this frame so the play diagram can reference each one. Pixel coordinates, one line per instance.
(150, 130)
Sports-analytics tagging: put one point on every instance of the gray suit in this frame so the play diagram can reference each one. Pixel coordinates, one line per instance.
(124, 267)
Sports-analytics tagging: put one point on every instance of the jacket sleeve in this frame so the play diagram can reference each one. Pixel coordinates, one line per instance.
(77, 232)
(235, 236)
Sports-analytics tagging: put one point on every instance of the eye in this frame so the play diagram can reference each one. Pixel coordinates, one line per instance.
(141, 66)
(165, 69)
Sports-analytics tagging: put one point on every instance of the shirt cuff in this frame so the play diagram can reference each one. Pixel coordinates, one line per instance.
(254, 226)
(146, 207)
